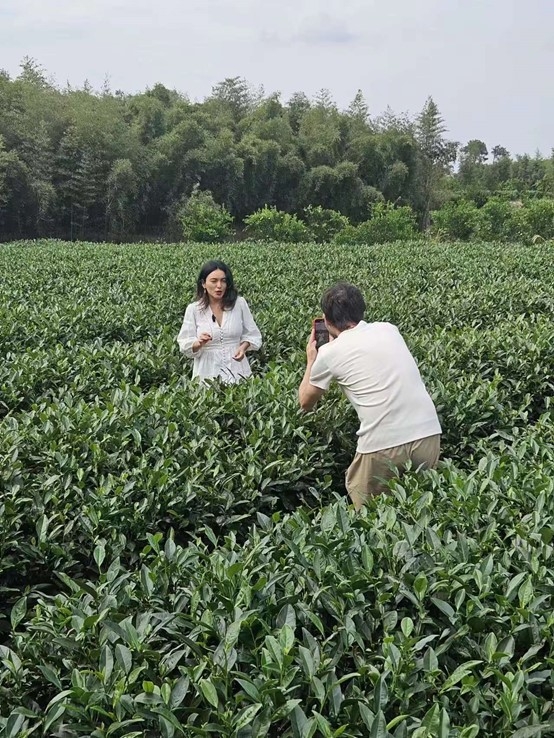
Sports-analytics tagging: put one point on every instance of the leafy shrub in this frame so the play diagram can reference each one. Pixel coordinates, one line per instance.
(498, 220)
(270, 224)
(387, 224)
(324, 224)
(456, 220)
(477, 194)
(203, 220)
(539, 215)
(502, 221)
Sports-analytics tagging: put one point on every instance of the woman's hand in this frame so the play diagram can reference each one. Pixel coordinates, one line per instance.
(201, 341)
(241, 351)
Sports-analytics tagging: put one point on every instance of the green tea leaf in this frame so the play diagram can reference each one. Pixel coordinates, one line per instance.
(179, 692)
(18, 612)
(407, 626)
(458, 674)
(379, 726)
(286, 616)
(209, 692)
(246, 716)
(123, 657)
(286, 638)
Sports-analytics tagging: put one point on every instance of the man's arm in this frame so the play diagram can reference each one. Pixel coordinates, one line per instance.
(309, 394)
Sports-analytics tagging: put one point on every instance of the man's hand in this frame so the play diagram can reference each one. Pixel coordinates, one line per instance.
(311, 349)
(308, 394)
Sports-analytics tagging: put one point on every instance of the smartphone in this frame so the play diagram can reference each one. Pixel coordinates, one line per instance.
(321, 332)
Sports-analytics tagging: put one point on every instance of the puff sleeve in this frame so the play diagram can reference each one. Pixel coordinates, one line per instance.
(187, 334)
(250, 331)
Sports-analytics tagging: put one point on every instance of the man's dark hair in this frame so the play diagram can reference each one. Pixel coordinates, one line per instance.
(343, 305)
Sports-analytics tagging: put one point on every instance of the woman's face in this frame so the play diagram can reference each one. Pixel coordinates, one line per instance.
(216, 284)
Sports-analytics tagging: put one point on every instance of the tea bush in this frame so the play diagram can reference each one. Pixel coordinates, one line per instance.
(324, 224)
(179, 560)
(497, 219)
(540, 217)
(457, 220)
(202, 219)
(270, 224)
(387, 223)
(502, 221)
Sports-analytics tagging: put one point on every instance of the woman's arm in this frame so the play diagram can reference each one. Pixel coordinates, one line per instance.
(188, 342)
(250, 332)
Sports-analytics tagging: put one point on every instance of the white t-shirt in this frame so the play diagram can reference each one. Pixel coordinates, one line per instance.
(377, 373)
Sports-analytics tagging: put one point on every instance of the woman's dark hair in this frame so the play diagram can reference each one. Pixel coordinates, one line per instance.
(342, 305)
(231, 294)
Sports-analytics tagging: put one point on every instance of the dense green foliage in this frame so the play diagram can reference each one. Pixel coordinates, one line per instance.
(201, 219)
(270, 224)
(323, 224)
(496, 220)
(105, 165)
(387, 223)
(176, 560)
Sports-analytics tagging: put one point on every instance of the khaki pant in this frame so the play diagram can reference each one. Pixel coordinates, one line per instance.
(368, 473)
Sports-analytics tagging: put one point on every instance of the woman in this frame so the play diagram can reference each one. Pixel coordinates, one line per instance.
(218, 329)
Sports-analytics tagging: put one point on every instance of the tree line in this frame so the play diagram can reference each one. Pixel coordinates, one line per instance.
(78, 163)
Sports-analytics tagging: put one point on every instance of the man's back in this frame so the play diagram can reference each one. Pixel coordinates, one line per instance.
(378, 374)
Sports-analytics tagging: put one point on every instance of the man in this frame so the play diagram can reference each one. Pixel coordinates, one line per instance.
(379, 376)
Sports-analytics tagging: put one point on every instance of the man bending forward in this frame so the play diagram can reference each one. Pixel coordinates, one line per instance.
(379, 376)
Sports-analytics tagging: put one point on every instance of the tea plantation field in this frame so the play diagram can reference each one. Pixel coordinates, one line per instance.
(182, 561)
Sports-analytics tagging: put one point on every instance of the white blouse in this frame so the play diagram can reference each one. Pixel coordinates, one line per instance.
(215, 359)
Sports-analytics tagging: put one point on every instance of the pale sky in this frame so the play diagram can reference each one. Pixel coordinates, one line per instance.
(487, 63)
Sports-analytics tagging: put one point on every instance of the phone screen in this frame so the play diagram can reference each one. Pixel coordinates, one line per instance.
(321, 332)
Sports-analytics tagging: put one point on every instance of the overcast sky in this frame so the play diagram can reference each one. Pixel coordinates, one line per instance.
(487, 63)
